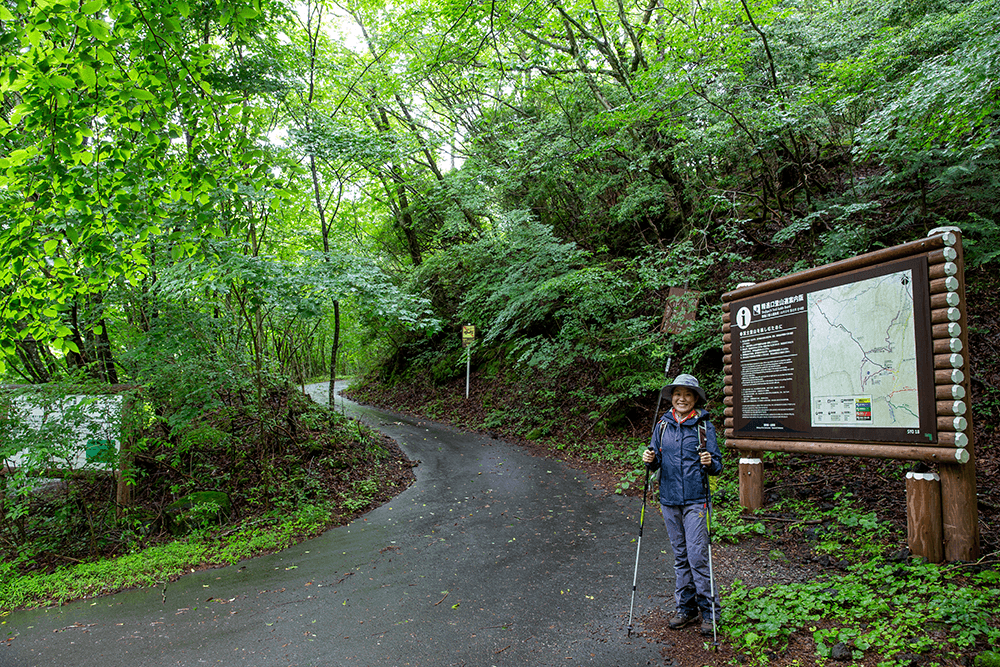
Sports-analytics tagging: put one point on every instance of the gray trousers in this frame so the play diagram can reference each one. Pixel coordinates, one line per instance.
(687, 527)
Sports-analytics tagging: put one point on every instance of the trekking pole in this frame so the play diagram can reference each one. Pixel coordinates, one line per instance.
(666, 373)
(638, 545)
(711, 575)
(642, 512)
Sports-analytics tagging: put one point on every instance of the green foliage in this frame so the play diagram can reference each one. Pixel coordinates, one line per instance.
(95, 97)
(872, 604)
(980, 240)
(156, 566)
(543, 305)
(730, 523)
(361, 495)
(43, 432)
(844, 531)
(877, 605)
(987, 659)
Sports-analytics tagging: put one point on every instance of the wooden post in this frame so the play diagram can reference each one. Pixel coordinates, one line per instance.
(923, 516)
(959, 505)
(960, 512)
(123, 493)
(751, 482)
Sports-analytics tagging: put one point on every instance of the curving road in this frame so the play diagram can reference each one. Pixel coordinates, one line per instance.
(493, 557)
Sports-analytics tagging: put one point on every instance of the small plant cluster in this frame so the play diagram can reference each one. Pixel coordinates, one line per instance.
(872, 603)
(893, 608)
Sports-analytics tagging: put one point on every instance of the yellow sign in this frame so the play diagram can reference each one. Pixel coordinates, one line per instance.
(468, 335)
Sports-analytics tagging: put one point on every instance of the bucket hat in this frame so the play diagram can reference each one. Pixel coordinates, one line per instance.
(687, 381)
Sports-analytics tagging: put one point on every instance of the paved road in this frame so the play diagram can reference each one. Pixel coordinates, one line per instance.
(493, 557)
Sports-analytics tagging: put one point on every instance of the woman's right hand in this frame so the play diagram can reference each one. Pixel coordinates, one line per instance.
(648, 456)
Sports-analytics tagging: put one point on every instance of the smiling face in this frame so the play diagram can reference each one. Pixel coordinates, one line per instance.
(683, 400)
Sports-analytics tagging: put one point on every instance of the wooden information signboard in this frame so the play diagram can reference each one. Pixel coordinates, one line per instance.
(680, 310)
(864, 357)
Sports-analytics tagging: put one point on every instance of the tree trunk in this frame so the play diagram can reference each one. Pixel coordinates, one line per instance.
(333, 353)
(102, 344)
(27, 352)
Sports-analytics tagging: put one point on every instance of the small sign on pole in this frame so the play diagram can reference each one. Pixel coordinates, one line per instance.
(468, 338)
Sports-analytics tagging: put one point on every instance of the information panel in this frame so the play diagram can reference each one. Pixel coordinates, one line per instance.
(842, 358)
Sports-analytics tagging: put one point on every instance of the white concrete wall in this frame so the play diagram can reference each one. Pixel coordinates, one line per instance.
(99, 419)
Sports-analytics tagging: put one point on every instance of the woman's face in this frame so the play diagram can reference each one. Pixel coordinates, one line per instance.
(683, 399)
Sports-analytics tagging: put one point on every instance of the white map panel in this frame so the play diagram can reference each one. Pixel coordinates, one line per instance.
(863, 360)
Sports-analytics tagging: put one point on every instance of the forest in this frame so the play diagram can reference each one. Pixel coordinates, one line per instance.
(205, 204)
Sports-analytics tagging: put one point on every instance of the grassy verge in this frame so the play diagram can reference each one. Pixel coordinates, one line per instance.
(157, 565)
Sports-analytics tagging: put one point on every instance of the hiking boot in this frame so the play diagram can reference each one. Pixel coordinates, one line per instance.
(680, 619)
(706, 627)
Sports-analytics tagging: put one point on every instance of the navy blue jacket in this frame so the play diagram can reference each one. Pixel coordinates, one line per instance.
(676, 448)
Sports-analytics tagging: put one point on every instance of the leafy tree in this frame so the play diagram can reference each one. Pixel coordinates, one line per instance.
(120, 134)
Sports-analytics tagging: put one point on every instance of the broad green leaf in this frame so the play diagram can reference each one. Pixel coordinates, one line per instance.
(100, 30)
(89, 76)
(92, 7)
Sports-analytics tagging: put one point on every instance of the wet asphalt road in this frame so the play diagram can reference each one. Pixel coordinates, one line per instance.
(493, 557)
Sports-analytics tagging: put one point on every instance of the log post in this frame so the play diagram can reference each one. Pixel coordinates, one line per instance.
(123, 478)
(959, 505)
(923, 516)
(751, 482)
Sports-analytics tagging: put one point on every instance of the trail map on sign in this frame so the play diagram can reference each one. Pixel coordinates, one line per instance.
(863, 361)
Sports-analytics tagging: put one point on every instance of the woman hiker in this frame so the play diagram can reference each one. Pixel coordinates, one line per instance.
(684, 449)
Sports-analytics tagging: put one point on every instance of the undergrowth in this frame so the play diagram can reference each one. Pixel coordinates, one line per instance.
(157, 565)
(891, 607)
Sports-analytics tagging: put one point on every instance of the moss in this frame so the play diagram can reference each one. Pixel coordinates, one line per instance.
(987, 659)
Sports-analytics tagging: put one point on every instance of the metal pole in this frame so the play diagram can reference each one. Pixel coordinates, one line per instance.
(706, 485)
(638, 545)
(666, 373)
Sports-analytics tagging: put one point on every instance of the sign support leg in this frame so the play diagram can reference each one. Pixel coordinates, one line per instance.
(751, 482)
